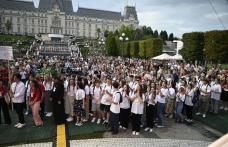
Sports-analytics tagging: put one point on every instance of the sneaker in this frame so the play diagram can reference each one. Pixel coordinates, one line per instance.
(20, 126)
(221, 108)
(49, 114)
(146, 129)
(226, 109)
(79, 124)
(160, 126)
(16, 125)
(137, 133)
(84, 120)
(133, 132)
(26, 113)
(76, 124)
(69, 119)
(204, 115)
(198, 113)
(98, 121)
(124, 128)
(120, 127)
(93, 120)
(151, 130)
(104, 122)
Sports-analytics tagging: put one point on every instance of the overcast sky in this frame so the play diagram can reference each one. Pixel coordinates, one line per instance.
(177, 16)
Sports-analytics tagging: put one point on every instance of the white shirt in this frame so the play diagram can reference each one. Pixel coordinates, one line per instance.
(106, 96)
(161, 99)
(171, 93)
(71, 90)
(18, 90)
(150, 99)
(125, 103)
(87, 90)
(137, 105)
(115, 108)
(204, 88)
(96, 95)
(48, 86)
(216, 90)
(180, 97)
(189, 97)
(79, 94)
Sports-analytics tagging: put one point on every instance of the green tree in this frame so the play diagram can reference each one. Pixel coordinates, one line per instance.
(216, 46)
(155, 34)
(106, 33)
(111, 45)
(98, 32)
(136, 49)
(8, 25)
(193, 46)
(171, 37)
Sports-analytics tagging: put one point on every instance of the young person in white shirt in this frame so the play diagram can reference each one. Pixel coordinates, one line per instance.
(125, 107)
(150, 107)
(18, 92)
(115, 108)
(69, 99)
(79, 103)
(137, 109)
(216, 91)
(48, 85)
(188, 104)
(107, 91)
(87, 97)
(161, 95)
(170, 100)
(180, 98)
(204, 98)
(96, 100)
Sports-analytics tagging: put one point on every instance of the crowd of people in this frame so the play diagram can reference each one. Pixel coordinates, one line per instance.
(112, 91)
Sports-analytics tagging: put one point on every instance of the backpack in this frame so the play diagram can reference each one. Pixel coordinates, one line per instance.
(195, 96)
(121, 97)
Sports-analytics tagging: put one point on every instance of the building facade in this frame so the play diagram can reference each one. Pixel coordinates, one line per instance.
(58, 17)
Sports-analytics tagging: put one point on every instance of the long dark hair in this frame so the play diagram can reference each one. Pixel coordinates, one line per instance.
(36, 84)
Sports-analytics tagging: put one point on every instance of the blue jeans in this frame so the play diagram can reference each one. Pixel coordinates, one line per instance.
(160, 110)
(179, 108)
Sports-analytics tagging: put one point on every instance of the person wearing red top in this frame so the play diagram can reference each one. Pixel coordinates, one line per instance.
(34, 101)
(3, 104)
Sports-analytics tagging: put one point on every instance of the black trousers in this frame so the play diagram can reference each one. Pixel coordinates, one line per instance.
(59, 112)
(42, 110)
(188, 111)
(136, 122)
(150, 113)
(114, 122)
(18, 107)
(124, 117)
(5, 110)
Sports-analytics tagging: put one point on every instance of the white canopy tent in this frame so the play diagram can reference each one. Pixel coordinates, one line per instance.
(163, 57)
(177, 57)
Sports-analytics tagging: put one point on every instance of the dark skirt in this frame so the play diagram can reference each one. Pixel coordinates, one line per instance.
(224, 95)
(79, 112)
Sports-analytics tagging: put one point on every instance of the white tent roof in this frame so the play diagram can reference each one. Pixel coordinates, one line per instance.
(177, 57)
(163, 57)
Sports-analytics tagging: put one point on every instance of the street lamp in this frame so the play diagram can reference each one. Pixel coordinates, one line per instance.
(123, 38)
(102, 43)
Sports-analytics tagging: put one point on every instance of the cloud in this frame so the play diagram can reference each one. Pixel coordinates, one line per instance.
(214, 16)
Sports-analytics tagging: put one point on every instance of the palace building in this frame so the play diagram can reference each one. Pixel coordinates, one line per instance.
(58, 17)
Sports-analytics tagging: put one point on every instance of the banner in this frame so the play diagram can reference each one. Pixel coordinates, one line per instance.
(6, 52)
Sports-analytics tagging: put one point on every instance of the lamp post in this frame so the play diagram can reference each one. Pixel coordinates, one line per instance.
(102, 43)
(123, 38)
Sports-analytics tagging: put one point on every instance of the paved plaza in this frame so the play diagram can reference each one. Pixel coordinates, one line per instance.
(173, 135)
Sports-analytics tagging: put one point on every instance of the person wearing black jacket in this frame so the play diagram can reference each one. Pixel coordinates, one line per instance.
(58, 101)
